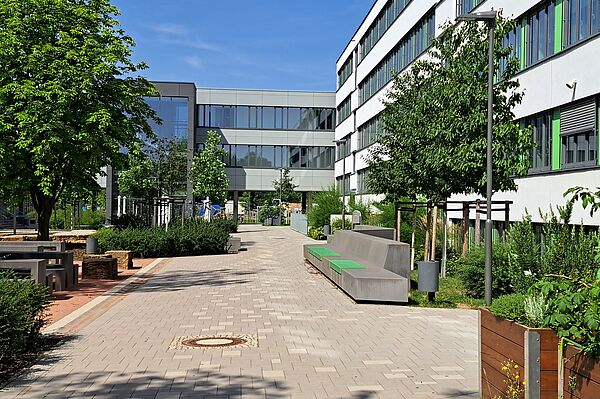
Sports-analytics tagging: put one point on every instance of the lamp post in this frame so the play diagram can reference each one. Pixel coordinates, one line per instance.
(488, 17)
(339, 143)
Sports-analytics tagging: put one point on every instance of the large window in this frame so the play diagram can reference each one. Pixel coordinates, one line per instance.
(276, 156)
(345, 71)
(541, 158)
(580, 149)
(344, 109)
(369, 132)
(380, 25)
(582, 20)
(540, 33)
(342, 183)
(271, 118)
(466, 6)
(363, 181)
(410, 47)
(173, 111)
(343, 149)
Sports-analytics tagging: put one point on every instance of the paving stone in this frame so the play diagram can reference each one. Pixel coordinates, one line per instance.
(313, 341)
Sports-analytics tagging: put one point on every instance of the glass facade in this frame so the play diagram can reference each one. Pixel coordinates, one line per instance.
(345, 72)
(173, 111)
(582, 20)
(410, 47)
(343, 149)
(268, 118)
(369, 132)
(380, 25)
(363, 181)
(466, 6)
(276, 156)
(512, 41)
(541, 157)
(344, 109)
(540, 33)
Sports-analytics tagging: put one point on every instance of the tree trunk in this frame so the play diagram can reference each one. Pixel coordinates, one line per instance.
(43, 205)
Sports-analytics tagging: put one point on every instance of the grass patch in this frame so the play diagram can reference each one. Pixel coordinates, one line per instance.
(452, 294)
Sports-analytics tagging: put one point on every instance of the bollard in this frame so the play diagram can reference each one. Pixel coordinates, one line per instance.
(91, 245)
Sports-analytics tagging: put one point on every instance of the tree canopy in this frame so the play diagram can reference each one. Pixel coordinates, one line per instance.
(435, 121)
(208, 175)
(285, 187)
(69, 98)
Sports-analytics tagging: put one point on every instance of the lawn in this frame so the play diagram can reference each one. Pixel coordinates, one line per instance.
(452, 294)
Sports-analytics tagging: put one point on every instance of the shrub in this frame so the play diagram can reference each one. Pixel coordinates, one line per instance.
(269, 212)
(22, 305)
(510, 307)
(574, 310)
(129, 221)
(524, 255)
(471, 270)
(93, 219)
(316, 233)
(325, 204)
(337, 225)
(229, 225)
(196, 237)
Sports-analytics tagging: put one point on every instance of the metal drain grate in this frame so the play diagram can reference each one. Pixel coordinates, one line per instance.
(215, 341)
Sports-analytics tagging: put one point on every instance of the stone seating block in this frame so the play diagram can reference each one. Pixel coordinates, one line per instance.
(124, 259)
(99, 267)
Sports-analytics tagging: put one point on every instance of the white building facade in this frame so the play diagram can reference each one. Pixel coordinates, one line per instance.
(558, 42)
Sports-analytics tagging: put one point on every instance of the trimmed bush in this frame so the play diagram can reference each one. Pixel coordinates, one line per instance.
(511, 307)
(22, 305)
(471, 270)
(194, 238)
(230, 226)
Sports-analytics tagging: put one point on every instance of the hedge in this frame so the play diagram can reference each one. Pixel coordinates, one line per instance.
(22, 305)
(192, 239)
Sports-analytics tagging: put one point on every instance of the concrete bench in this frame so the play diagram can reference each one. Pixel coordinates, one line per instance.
(35, 268)
(50, 245)
(366, 267)
(61, 265)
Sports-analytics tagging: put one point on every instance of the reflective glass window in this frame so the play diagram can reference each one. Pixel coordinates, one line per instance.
(294, 157)
(241, 155)
(268, 116)
(242, 117)
(294, 118)
(268, 156)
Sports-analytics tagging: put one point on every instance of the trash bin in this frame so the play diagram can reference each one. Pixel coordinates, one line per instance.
(326, 230)
(91, 245)
(429, 276)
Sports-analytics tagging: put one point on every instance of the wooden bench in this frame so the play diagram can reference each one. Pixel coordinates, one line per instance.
(366, 267)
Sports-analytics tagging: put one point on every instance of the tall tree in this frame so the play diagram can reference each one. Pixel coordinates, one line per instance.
(285, 187)
(138, 180)
(435, 121)
(208, 175)
(170, 157)
(68, 98)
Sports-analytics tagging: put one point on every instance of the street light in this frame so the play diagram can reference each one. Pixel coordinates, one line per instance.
(340, 142)
(488, 17)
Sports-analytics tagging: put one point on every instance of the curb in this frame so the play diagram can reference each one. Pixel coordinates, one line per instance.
(82, 311)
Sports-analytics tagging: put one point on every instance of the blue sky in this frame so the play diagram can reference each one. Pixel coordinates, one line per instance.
(256, 44)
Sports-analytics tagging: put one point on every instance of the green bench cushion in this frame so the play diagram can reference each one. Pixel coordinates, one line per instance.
(322, 251)
(339, 264)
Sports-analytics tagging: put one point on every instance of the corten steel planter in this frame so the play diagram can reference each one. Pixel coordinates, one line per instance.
(581, 375)
(535, 350)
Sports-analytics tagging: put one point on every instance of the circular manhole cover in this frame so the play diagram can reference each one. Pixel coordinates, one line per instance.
(213, 342)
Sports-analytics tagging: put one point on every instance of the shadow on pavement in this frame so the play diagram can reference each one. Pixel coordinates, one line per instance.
(455, 393)
(178, 280)
(191, 384)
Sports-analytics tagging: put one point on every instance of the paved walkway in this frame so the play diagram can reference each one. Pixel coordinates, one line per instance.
(313, 342)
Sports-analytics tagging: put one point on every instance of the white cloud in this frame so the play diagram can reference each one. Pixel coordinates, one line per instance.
(194, 61)
(169, 29)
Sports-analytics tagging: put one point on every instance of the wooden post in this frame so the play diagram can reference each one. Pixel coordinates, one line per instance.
(477, 222)
(427, 237)
(506, 220)
(398, 224)
(444, 241)
(412, 238)
(465, 229)
(434, 233)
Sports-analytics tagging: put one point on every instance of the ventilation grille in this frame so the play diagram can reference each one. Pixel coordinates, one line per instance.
(578, 117)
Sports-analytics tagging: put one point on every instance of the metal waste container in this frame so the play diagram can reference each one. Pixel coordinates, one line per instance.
(429, 276)
(91, 245)
(326, 229)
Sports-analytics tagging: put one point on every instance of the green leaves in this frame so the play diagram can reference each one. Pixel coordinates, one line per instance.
(436, 118)
(69, 97)
(208, 174)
